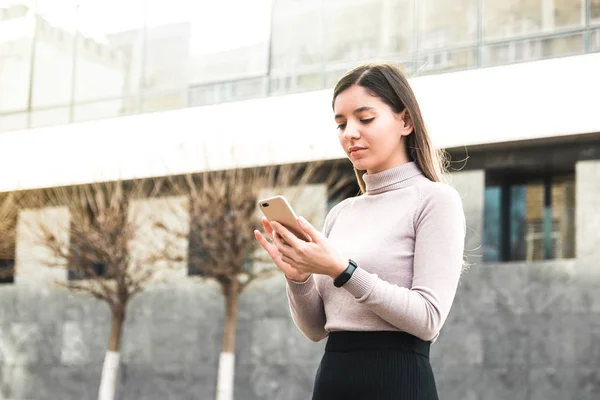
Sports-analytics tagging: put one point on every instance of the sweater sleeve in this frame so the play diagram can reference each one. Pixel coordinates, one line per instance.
(306, 303)
(421, 310)
(307, 309)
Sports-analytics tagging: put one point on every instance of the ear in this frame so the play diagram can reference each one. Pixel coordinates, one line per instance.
(408, 125)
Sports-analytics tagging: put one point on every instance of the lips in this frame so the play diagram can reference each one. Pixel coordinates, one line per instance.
(355, 148)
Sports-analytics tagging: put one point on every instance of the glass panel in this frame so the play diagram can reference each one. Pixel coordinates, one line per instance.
(509, 18)
(447, 23)
(52, 116)
(562, 46)
(517, 222)
(301, 82)
(227, 91)
(332, 77)
(16, 36)
(595, 11)
(446, 61)
(104, 109)
(12, 122)
(164, 100)
(297, 36)
(534, 49)
(230, 45)
(53, 57)
(350, 30)
(190, 44)
(397, 30)
(562, 239)
(108, 53)
(492, 224)
(530, 224)
(595, 40)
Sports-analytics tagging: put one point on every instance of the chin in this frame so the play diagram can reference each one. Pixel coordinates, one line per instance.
(361, 166)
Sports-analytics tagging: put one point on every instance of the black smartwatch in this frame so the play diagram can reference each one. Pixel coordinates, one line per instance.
(345, 276)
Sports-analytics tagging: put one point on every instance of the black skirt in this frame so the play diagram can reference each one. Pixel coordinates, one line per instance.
(375, 366)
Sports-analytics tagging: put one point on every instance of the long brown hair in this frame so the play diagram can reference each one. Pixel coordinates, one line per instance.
(389, 83)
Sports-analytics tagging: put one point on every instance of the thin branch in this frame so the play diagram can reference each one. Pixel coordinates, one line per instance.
(223, 216)
(97, 244)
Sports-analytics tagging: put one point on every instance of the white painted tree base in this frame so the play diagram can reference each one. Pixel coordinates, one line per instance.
(225, 376)
(108, 382)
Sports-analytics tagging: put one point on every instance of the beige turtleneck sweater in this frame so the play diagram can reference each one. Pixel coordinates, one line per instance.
(406, 233)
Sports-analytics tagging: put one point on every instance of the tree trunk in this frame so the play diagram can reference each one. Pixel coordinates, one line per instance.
(110, 369)
(227, 359)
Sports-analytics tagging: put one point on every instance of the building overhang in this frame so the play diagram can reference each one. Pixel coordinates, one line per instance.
(542, 99)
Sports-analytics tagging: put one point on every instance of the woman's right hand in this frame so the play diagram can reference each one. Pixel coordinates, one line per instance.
(290, 272)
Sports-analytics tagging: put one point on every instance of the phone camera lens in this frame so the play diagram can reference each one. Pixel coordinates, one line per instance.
(265, 205)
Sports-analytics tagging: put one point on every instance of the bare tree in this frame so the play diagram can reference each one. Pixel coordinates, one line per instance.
(222, 246)
(100, 255)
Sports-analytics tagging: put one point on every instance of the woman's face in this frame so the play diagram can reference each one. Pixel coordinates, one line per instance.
(370, 132)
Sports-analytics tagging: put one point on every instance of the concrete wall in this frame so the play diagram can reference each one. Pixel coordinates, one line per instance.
(516, 331)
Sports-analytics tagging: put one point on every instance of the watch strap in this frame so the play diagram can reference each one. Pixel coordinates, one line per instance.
(345, 276)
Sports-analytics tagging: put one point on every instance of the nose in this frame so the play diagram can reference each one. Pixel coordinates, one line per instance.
(351, 131)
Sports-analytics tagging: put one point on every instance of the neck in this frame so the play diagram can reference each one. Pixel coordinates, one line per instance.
(393, 178)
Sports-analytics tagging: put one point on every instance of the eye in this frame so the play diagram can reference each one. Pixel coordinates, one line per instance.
(367, 120)
(341, 127)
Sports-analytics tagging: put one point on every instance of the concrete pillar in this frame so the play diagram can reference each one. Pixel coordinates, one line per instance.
(587, 204)
(34, 263)
(173, 213)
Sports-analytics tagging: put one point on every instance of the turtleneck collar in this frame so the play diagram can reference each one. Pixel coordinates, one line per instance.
(393, 178)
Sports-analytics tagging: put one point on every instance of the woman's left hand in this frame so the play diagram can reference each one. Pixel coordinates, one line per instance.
(317, 256)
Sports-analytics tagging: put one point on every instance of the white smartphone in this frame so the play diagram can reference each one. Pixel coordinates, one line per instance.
(277, 208)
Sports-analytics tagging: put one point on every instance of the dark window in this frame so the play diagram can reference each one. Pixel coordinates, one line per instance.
(8, 229)
(99, 269)
(197, 256)
(7, 271)
(528, 218)
(83, 251)
(338, 192)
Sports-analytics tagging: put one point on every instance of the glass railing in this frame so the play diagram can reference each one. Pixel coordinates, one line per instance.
(487, 53)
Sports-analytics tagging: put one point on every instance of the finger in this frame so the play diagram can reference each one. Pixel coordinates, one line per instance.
(309, 229)
(268, 227)
(286, 235)
(281, 245)
(277, 257)
(271, 250)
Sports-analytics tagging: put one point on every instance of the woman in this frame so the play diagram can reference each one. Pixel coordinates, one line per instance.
(381, 278)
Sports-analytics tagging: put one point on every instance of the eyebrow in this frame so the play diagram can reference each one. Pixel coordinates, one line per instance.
(357, 111)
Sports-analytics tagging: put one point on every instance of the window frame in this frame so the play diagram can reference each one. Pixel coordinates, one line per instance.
(505, 180)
